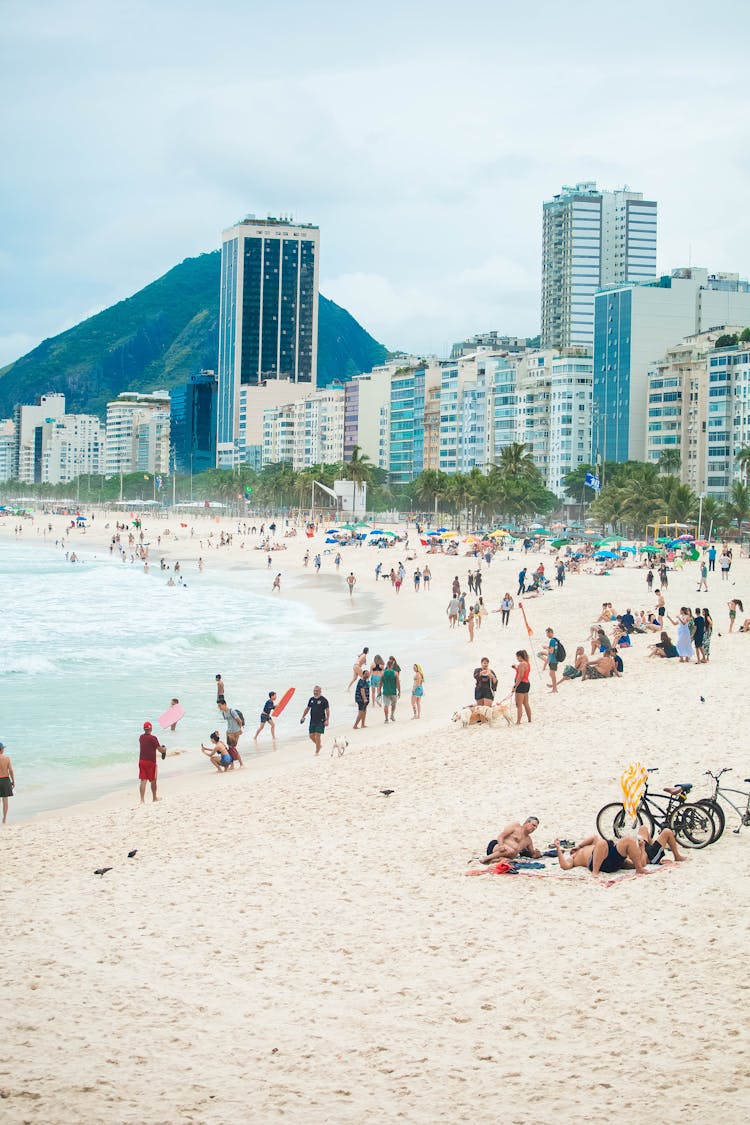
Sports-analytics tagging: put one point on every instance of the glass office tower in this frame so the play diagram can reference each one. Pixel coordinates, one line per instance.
(268, 315)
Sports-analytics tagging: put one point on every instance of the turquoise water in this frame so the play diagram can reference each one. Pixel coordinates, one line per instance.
(93, 649)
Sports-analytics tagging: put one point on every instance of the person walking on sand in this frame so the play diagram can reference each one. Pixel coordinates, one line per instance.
(703, 581)
(521, 582)
(351, 582)
(276, 584)
(426, 576)
(522, 685)
(266, 717)
(391, 689)
(485, 684)
(357, 666)
(7, 780)
(470, 623)
(550, 659)
(362, 698)
(506, 605)
(149, 745)
(417, 691)
(320, 716)
(219, 690)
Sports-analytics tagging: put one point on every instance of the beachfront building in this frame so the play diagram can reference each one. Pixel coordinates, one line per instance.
(464, 414)
(591, 238)
(268, 328)
(7, 449)
(488, 342)
(699, 406)
(431, 454)
(138, 433)
(634, 325)
(193, 423)
(51, 447)
(373, 394)
(351, 418)
(306, 432)
(553, 396)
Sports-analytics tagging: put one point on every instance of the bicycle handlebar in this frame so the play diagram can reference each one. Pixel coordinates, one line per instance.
(652, 769)
(716, 776)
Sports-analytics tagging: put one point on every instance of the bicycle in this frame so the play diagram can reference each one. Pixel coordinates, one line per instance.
(720, 793)
(694, 825)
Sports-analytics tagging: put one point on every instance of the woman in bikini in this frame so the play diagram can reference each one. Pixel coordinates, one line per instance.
(522, 685)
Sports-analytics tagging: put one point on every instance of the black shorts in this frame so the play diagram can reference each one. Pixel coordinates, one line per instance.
(523, 689)
(6, 787)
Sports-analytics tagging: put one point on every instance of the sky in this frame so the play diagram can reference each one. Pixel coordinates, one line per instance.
(422, 138)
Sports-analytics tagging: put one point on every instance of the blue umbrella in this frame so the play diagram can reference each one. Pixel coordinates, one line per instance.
(605, 555)
(440, 530)
(378, 531)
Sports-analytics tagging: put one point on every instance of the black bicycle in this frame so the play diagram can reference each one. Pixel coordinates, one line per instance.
(693, 824)
(721, 793)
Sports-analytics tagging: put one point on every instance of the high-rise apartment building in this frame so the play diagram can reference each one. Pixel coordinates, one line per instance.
(268, 322)
(553, 411)
(591, 238)
(52, 447)
(634, 325)
(138, 433)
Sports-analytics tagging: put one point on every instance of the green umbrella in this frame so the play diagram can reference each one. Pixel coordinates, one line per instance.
(664, 539)
(651, 550)
(559, 542)
(348, 527)
(361, 523)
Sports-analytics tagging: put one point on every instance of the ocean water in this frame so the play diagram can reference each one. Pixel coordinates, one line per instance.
(93, 649)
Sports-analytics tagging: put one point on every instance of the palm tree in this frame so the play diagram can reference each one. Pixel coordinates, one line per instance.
(742, 459)
(516, 461)
(430, 487)
(358, 468)
(738, 506)
(669, 461)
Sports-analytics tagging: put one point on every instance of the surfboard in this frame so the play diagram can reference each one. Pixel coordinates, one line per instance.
(171, 715)
(283, 702)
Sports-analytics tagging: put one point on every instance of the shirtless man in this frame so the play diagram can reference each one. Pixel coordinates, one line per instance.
(603, 857)
(7, 780)
(514, 840)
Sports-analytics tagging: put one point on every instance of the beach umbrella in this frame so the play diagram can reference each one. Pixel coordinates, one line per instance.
(605, 555)
(449, 535)
(633, 783)
(440, 530)
(701, 542)
(686, 537)
(559, 542)
(649, 549)
(664, 539)
(431, 533)
(693, 555)
(590, 531)
(332, 541)
(627, 550)
(390, 534)
(378, 531)
(348, 527)
(501, 533)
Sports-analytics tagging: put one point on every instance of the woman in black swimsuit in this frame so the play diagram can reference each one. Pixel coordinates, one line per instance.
(485, 684)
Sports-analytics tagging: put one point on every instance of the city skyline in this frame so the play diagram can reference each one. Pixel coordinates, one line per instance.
(424, 156)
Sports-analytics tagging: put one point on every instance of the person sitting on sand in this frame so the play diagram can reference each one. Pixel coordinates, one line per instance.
(514, 840)
(218, 753)
(602, 669)
(600, 642)
(603, 857)
(576, 670)
(664, 648)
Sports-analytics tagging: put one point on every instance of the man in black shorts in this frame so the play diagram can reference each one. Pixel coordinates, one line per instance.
(603, 857)
(320, 714)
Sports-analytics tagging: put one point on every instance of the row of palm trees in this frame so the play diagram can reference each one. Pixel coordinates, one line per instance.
(634, 494)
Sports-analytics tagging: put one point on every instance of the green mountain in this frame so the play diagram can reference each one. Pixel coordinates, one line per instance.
(157, 338)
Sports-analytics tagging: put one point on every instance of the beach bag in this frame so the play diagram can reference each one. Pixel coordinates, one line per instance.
(561, 653)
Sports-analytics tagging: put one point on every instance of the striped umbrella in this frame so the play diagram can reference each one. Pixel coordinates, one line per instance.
(633, 782)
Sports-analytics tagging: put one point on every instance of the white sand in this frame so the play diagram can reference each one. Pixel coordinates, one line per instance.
(288, 944)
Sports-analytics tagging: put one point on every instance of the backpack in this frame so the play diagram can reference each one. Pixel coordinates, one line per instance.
(561, 653)
(238, 716)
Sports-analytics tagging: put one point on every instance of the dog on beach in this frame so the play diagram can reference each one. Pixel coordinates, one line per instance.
(469, 716)
(339, 747)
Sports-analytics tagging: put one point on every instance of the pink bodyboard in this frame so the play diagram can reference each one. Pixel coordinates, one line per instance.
(171, 715)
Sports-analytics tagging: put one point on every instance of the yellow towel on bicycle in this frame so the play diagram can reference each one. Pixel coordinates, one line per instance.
(633, 782)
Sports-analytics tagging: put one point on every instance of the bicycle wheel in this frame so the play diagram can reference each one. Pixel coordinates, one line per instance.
(612, 822)
(693, 826)
(717, 813)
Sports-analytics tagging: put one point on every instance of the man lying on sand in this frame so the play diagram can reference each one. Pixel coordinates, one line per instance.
(606, 856)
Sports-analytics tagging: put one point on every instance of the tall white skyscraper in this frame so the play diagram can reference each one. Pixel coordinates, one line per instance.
(591, 239)
(268, 319)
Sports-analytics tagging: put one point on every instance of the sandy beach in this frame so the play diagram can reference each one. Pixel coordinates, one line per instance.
(288, 944)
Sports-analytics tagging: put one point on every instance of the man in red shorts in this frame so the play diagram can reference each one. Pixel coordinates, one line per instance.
(147, 761)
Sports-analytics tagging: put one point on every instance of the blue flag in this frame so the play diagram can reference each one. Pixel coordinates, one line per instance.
(593, 481)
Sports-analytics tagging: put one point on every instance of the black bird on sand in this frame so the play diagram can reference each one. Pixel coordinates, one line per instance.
(134, 852)
(102, 870)
(387, 792)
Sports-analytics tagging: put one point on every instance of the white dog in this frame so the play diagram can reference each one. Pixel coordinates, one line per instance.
(339, 746)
